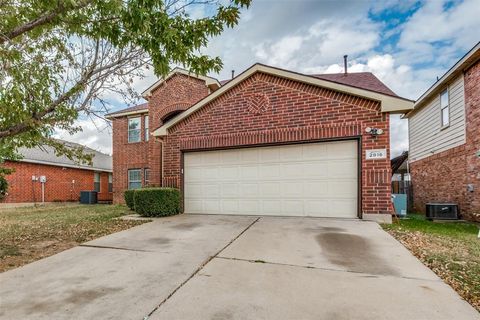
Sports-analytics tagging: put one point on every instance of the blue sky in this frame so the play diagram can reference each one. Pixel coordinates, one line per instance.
(405, 43)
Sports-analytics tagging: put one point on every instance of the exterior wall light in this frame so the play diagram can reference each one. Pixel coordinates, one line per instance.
(374, 131)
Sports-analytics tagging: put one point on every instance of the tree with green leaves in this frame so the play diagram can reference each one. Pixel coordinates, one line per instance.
(58, 59)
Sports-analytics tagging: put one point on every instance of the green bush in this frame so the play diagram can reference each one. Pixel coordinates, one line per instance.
(3, 187)
(128, 195)
(156, 202)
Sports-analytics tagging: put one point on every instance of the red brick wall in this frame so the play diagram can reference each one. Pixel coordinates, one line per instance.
(59, 186)
(267, 109)
(446, 175)
(439, 178)
(472, 113)
(126, 156)
(175, 95)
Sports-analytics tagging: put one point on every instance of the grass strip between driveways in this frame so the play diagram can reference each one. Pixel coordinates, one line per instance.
(450, 249)
(29, 234)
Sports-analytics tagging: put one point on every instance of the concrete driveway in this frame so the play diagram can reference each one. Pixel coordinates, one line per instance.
(230, 267)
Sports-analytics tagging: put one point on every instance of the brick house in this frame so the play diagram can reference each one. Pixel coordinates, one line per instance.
(267, 142)
(444, 139)
(64, 178)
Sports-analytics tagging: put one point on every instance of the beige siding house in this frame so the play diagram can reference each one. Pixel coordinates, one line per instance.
(444, 132)
(427, 135)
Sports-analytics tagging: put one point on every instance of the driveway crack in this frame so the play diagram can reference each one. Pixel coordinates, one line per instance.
(371, 275)
(200, 268)
(108, 247)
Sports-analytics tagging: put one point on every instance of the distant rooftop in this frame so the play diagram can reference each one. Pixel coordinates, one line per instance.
(46, 155)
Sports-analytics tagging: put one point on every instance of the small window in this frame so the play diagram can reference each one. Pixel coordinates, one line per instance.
(146, 128)
(134, 179)
(96, 181)
(444, 106)
(110, 182)
(146, 176)
(134, 129)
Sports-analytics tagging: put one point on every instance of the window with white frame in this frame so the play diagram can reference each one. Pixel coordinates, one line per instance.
(134, 129)
(134, 179)
(146, 128)
(110, 182)
(96, 181)
(444, 106)
(146, 176)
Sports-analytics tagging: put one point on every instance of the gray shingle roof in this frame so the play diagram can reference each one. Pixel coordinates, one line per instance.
(46, 155)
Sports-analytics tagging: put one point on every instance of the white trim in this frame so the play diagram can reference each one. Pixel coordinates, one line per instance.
(128, 113)
(466, 61)
(209, 81)
(140, 129)
(388, 103)
(56, 164)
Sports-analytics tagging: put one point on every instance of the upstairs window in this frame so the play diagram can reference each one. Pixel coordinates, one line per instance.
(134, 129)
(96, 181)
(110, 182)
(445, 107)
(134, 179)
(146, 128)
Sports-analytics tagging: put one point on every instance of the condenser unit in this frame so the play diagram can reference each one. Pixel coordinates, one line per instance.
(442, 211)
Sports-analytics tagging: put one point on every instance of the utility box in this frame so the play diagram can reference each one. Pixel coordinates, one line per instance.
(88, 197)
(442, 211)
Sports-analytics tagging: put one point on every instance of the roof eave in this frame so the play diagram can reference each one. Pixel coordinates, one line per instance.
(472, 56)
(210, 82)
(123, 114)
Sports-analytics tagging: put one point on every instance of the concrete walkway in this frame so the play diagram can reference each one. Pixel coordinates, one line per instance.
(228, 267)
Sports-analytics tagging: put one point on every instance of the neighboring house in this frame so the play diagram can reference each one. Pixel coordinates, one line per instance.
(444, 130)
(64, 179)
(399, 166)
(267, 142)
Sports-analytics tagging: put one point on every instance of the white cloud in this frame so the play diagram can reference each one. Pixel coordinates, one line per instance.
(439, 30)
(95, 134)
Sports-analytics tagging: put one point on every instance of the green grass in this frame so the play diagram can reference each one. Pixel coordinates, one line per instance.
(450, 249)
(416, 222)
(28, 234)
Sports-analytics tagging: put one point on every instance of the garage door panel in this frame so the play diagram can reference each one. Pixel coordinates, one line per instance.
(210, 191)
(342, 168)
(270, 171)
(318, 179)
(229, 190)
(293, 170)
(292, 208)
(248, 190)
(269, 189)
(249, 172)
(292, 189)
(228, 173)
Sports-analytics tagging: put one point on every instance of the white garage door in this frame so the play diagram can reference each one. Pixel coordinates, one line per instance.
(313, 179)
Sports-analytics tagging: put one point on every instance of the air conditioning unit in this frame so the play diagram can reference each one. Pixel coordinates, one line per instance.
(88, 197)
(442, 211)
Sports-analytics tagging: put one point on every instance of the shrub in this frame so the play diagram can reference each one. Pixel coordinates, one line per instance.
(128, 195)
(3, 187)
(156, 202)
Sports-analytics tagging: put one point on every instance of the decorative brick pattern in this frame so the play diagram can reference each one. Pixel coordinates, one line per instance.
(446, 175)
(297, 112)
(258, 103)
(63, 184)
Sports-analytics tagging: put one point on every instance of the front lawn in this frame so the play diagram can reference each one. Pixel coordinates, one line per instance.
(450, 249)
(29, 234)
